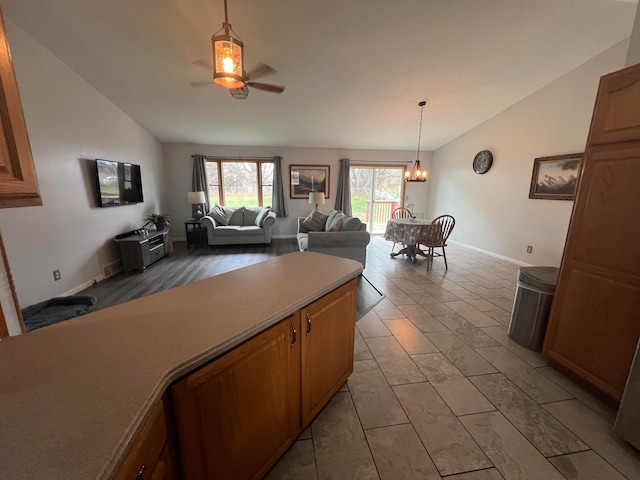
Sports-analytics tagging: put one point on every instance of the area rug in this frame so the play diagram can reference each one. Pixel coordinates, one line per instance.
(368, 296)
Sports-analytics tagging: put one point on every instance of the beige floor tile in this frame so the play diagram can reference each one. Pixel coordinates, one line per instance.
(436, 307)
(482, 305)
(460, 354)
(408, 335)
(407, 286)
(469, 333)
(397, 296)
(399, 454)
(375, 402)
(546, 433)
(339, 443)
(440, 293)
(397, 366)
(596, 432)
(532, 382)
(488, 474)
(514, 457)
(501, 316)
(449, 445)
(360, 349)
(387, 310)
(299, 463)
(499, 334)
(370, 325)
(423, 320)
(471, 314)
(460, 395)
(600, 407)
(585, 466)
(506, 303)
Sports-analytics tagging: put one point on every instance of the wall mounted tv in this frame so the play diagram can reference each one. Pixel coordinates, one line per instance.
(118, 183)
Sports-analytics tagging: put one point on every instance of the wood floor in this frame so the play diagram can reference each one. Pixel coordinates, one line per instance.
(185, 265)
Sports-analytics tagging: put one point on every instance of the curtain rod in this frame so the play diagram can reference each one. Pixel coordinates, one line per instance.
(229, 157)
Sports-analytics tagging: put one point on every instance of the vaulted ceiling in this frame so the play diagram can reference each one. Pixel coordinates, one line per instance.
(354, 70)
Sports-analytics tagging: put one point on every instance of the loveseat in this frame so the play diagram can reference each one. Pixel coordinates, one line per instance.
(335, 234)
(239, 225)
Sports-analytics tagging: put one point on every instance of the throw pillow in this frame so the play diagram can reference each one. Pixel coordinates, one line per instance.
(250, 215)
(238, 217)
(221, 214)
(336, 218)
(262, 215)
(351, 224)
(332, 213)
(315, 221)
(336, 226)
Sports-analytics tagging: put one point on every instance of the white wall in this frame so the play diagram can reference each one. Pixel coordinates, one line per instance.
(493, 211)
(69, 125)
(633, 55)
(179, 166)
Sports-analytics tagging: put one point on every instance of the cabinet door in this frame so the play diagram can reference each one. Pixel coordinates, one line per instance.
(328, 328)
(237, 415)
(594, 324)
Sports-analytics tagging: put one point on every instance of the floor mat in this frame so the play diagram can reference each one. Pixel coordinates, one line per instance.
(367, 297)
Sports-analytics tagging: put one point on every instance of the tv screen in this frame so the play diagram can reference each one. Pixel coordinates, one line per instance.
(118, 183)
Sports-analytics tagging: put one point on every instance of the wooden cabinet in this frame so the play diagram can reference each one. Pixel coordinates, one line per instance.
(236, 416)
(18, 181)
(151, 456)
(139, 251)
(595, 322)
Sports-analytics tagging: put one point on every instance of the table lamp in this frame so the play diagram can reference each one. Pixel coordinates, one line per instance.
(197, 198)
(316, 197)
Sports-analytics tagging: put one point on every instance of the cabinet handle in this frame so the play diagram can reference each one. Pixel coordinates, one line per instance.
(295, 335)
(140, 475)
(308, 324)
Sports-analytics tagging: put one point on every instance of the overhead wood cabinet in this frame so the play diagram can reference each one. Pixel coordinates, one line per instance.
(595, 319)
(236, 416)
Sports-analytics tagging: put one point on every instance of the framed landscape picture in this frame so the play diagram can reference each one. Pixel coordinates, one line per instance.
(556, 178)
(309, 178)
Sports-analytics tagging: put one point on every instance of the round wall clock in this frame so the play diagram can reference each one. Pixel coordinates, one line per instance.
(482, 162)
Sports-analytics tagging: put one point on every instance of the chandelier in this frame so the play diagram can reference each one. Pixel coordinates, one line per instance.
(227, 56)
(417, 174)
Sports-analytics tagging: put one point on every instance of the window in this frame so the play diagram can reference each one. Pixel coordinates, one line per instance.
(237, 183)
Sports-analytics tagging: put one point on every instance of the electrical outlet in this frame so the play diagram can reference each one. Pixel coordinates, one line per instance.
(56, 275)
(529, 249)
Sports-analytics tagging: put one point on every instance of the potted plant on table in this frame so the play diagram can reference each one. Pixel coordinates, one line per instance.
(160, 220)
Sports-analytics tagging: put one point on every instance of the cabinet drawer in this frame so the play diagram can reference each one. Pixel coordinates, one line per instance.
(156, 253)
(147, 449)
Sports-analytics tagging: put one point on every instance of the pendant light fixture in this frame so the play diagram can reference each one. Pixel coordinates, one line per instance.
(227, 56)
(417, 174)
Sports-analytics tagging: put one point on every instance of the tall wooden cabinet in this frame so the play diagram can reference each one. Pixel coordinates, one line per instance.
(236, 416)
(595, 319)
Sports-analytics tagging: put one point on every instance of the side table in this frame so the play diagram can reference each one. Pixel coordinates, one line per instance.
(196, 233)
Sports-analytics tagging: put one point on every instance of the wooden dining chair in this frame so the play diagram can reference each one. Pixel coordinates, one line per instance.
(400, 212)
(439, 232)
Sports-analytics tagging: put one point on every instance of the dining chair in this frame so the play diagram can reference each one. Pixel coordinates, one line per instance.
(439, 232)
(400, 212)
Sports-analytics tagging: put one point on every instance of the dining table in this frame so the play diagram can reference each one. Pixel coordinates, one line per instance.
(410, 232)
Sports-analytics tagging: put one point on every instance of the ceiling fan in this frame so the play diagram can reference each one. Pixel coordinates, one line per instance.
(261, 70)
(228, 64)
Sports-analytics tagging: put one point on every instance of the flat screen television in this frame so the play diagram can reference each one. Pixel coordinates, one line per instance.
(118, 183)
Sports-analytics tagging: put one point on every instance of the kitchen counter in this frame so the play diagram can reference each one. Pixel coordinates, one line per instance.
(74, 395)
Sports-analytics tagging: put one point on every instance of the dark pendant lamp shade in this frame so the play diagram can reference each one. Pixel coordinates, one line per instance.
(417, 174)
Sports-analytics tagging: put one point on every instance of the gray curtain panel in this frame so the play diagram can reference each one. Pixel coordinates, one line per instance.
(199, 182)
(278, 206)
(343, 195)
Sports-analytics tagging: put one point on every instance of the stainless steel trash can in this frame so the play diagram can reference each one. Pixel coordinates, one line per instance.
(532, 305)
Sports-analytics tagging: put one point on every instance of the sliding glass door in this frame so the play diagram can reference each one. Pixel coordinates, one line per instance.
(376, 190)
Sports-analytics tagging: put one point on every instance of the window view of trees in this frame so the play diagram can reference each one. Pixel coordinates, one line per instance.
(237, 183)
(375, 192)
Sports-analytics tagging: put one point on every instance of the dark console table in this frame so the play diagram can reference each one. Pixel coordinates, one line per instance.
(140, 251)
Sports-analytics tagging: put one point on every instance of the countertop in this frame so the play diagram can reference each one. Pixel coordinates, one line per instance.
(74, 395)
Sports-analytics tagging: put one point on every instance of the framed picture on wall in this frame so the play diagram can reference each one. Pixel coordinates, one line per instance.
(309, 178)
(556, 178)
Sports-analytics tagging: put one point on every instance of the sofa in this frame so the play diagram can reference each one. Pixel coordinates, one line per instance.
(335, 234)
(239, 225)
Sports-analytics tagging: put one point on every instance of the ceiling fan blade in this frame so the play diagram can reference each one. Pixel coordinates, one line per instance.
(203, 64)
(267, 87)
(261, 70)
(201, 84)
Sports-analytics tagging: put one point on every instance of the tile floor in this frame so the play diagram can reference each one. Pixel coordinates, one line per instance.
(440, 391)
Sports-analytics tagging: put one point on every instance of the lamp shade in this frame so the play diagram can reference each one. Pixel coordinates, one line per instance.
(227, 61)
(196, 197)
(316, 198)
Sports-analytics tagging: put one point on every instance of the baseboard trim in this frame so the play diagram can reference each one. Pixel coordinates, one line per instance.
(492, 254)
